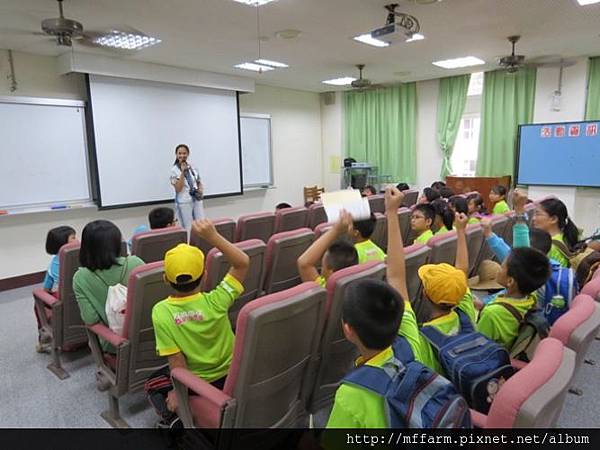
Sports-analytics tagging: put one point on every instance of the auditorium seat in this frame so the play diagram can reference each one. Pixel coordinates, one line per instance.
(379, 235)
(288, 219)
(415, 256)
(151, 246)
(592, 287)
(474, 234)
(216, 267)
(534, 396)
(276, 339)
(410, 198)
(65, 327)
(443, 248)
(404, 222)
(377, 203)
(281, 260)
(316, 215)
(255, 226)
(336, 354)
(578, 327)
(322, 228)
(135, 359)
(499, 224)
(225, 227)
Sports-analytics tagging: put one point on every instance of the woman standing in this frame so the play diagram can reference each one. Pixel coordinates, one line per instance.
(188, 188)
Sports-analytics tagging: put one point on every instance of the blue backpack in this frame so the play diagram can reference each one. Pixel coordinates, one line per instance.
(554, 298)
(415, 396)
(475, 364)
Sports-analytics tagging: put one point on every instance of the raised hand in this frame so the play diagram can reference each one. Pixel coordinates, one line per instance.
(393, 199)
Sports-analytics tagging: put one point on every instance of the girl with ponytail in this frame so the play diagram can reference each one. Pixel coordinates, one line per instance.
(552, 216)
(444, 217)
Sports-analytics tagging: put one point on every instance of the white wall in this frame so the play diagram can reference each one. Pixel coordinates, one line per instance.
(296, 137)
(583, 203)
(332, 140)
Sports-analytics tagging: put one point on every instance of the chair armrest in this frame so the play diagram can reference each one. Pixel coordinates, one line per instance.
(200, 387)
(106, 333)
(479, 419)
(44, 296)
(517, 363)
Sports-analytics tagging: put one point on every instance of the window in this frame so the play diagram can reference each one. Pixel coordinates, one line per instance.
(464, 157)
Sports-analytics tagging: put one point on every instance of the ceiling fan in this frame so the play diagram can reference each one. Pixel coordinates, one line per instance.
(513, 62)
(363, 83)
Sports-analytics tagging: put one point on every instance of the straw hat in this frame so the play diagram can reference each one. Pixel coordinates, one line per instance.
(486, 277)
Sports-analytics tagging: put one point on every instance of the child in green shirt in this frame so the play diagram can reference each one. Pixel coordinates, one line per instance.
(367, 250)
(498, 199)
(421, 221)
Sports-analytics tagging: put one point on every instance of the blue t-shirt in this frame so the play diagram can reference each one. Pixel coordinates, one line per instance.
(51, 278)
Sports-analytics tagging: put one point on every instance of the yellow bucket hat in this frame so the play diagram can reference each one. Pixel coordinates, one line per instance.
(443, 283)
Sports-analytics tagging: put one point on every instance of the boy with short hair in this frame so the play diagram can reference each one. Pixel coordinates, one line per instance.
(161, 218)
(368, 191)
(361, 233)
(192, 328)
(333, 253)
(421, 221)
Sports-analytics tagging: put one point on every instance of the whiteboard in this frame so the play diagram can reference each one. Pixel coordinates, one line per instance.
(138, 124)
(43, 152)
(256, 150)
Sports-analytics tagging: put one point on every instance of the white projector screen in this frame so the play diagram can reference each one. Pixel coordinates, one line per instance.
(137, 125)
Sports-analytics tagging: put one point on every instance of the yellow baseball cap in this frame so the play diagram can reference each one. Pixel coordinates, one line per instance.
(184, 260)
(443, 283)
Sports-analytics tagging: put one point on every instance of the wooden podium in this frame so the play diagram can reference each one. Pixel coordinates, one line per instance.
(483, 185)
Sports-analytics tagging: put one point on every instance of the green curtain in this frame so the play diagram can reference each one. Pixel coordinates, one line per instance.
(592, 110)
(452, 99)
(507, 102)
(380, 127)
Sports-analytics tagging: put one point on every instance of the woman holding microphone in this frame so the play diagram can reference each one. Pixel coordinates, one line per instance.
(188, 188)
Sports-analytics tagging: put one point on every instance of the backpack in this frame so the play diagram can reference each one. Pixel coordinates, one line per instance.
(415, 396)
(554, 298)
(116, 303)
(583, 260)
(533, 327)
(477, 365)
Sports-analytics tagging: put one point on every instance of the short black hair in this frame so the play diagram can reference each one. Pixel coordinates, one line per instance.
(431, 194)
(184, 285)
(437, 185)
(446, 192)
(427, 210)
(57, 237)
(161, 218)
(499, 190)
(529, 267)
(341, 254)
(478, 199)
(374, 310)
(282, 205)
(365, 227)
(402, 187)
(540, 240)
(459, 204)
(100, 245)
(371, 189)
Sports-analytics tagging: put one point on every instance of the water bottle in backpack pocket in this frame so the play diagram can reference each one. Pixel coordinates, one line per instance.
(415, 396)
(475, 364)
(554, 298)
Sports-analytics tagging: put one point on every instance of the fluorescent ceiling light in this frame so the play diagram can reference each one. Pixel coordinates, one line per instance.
(127, 41)
(466, 61)
(368, 39)
(419, 37)
(254, 2)
(268, 62)
(587, 2)
(344, 81)
(254, 67)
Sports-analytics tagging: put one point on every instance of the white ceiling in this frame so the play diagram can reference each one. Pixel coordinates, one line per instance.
(215, 35)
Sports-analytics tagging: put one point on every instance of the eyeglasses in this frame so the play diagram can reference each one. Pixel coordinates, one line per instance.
(417, 217)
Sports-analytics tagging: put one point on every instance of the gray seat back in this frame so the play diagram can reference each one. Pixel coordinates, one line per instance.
(377, 203)
(443, 248)
(225, 227)
(255, 226)
(379, 235)
(288, 219)
(415, 256)
(67, 327)
(316, 215)
(151, 246)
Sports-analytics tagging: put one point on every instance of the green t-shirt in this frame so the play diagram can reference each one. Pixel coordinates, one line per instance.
(424, 237)
(91, 289)
(369, 251)
(321, 281)
(198, 327)
(442, 230)
(556, 254)
(500, 208)
(497, 323)
(448, 324)
(473, 220)
(356, 407)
